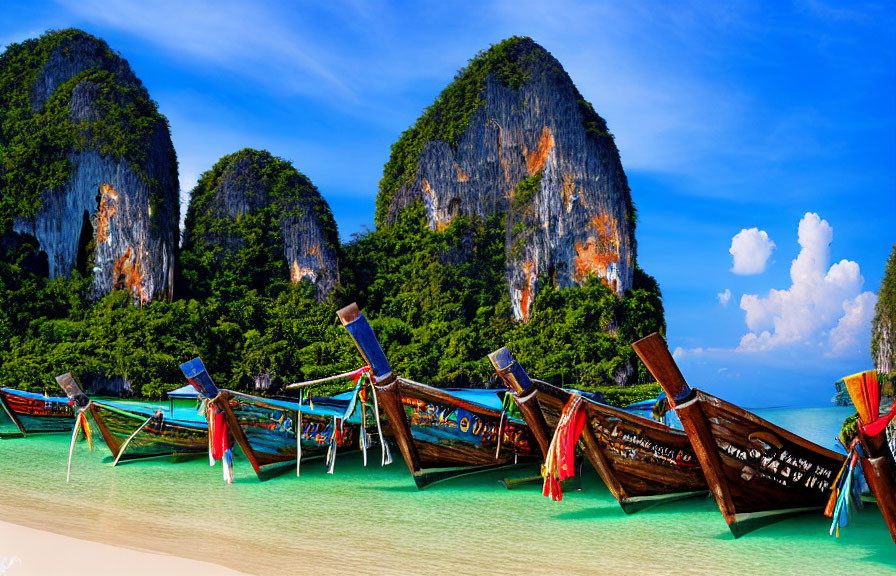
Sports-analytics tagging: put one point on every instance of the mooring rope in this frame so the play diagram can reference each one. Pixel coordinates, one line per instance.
(131, 437)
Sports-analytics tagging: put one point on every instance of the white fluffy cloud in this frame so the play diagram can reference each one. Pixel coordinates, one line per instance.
(824, 304)
(751, 250)
(724, 297)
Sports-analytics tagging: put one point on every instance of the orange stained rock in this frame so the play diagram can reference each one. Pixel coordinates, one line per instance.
(568, 190)
(128, 276)
(527, 292)
(604, 226)
(297, 273)
(461, 175)
(108, 207)
(590, 259)
(427, 189)
(535, 159)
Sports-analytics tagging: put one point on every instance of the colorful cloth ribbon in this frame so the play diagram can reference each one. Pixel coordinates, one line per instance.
(220, 440)
(846, 497)
(560, 462)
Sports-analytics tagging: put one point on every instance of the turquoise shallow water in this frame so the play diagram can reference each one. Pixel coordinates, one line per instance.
(373, 520)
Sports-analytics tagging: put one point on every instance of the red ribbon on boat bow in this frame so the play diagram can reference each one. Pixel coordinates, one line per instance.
(221, 438)
(560, 462)
(877, 426)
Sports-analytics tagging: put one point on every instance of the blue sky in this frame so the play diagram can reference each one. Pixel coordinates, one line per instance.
(777, 116)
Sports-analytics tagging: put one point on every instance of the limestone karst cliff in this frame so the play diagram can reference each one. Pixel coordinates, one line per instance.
(883, 327)
(513, 135)
(253, 220)
(87, 167)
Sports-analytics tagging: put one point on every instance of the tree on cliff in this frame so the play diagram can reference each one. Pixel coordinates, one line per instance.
(883, 326)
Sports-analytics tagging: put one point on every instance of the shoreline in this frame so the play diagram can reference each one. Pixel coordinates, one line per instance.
(27, 551)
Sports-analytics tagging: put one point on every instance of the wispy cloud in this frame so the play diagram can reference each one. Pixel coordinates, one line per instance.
(269, 43)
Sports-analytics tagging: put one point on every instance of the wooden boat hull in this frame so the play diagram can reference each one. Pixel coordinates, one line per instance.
(160, 437)
(442, 436)
(267, 432)
(881, 478)
(34, 414)
(642, 462)
(758, 472)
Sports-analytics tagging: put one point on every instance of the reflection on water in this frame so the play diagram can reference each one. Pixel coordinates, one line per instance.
(368, 520)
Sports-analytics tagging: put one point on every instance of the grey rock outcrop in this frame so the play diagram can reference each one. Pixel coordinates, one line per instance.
(579, 221)
(125, 206)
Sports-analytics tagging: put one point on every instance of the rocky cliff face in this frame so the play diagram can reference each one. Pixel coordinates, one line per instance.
(90, 171)
(883, 327)
(254, 219)
(513, 135)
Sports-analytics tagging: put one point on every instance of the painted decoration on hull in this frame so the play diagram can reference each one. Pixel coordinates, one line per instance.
(270, 430)
(623, 441)
(760, 456)
(441, 422)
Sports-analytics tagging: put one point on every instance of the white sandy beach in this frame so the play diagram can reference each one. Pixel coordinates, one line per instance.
(29, 552)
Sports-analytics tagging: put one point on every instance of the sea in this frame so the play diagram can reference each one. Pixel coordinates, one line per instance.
(373, 520)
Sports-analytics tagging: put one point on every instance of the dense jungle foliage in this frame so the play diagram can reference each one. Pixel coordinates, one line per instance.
(438, 302)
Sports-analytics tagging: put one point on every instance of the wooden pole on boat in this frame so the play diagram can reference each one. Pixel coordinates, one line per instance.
(525, 394)
(387, 386)
(654, 352)
(655, 355)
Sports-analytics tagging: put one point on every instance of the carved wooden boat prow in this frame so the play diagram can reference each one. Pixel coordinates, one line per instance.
(440, 434)
(758, 472)
(642, 462)
(135, 432)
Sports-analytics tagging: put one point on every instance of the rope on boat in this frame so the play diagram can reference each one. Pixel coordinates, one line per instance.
(560, 462)
(505, 408)
(331, 451)
(204, 411)
(131, 437)
(80, 421)
(354, 375)
(387, 455)
(299, 437)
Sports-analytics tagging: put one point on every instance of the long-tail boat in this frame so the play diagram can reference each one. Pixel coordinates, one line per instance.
(878, 464)
(266, 429)
(643, 463)
(441, 433)
(133, 431)
(758, 472)
(33, 413)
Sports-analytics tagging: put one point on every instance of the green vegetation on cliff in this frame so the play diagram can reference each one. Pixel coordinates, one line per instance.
(37, 138)
(229, 250)
(883, 327)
